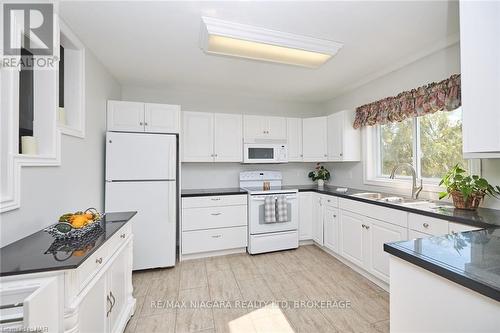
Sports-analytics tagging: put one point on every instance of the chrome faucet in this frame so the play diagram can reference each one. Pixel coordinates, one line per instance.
(415, 190)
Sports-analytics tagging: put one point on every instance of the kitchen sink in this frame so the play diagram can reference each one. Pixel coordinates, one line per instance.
(368, 195)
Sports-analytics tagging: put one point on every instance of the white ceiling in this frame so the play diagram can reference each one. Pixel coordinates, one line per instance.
(156, 44)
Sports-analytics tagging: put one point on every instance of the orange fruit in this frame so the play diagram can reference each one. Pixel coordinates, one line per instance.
(78, 221)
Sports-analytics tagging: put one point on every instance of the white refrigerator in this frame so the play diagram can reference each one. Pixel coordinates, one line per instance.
(141, 170)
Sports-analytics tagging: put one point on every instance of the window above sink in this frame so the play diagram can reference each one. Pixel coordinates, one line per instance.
(430, 143)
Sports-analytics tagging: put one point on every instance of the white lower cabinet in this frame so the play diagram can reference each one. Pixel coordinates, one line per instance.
(353, 237)
(305, 215)
(213, 223)
(317, 219)
(95, 297)
(363, 241)
(379, 233)
(92, 308)
(331, 228)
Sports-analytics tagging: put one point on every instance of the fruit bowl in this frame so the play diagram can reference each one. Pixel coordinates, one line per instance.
(75, 225)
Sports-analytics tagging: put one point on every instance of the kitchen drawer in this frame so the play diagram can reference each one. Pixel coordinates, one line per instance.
(459, 227)
(213, 217)
(92, 264)
(330, 200)
(427, 225)
(385, 214)
(214, 201)
(213, 240)
(119, 238)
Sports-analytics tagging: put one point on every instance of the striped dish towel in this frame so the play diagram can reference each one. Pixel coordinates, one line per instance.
(270, 209)
(282, 207)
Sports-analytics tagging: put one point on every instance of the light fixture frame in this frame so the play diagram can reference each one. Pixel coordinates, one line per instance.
(213, 26)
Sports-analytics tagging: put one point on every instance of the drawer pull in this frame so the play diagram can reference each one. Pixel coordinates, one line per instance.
(98, 260)
(426, 225)
(216, 236)
(215, 214)
(363, 226)
(122, 236)
(215, 199)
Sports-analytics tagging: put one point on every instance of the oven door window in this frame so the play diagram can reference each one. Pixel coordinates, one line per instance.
(261, 153)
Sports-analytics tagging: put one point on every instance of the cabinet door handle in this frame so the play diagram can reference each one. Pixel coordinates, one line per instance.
(367, 227)
(215, 214)
(113, 300)
(426, 225)
(140, 123)
(340, 154)
(122, 236)
(216, 236)
(325, 155)
(109, 303)
(145, 124)
(363, 226)
(98, 260)
(334, 216)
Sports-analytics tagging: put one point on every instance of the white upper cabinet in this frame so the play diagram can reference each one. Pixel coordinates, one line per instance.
(143, 117)
(294, 139)
(264, 128)
(314, 139)
(125, 116)
(228, 144)
(197, 137)
(480, 69)
(209, 137)
(343, 140)
(162, 118)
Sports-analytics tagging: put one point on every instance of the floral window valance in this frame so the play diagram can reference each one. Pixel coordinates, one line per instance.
(443, 95)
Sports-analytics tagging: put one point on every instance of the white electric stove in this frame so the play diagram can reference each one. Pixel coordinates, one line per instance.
(267, 237)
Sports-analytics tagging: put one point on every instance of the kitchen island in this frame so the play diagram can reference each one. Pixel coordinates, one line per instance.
(454, 279)
(72, 285)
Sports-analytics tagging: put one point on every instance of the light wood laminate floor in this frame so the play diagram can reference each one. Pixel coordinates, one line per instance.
(303, 290)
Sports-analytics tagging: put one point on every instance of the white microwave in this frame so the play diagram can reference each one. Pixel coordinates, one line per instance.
(265, 153)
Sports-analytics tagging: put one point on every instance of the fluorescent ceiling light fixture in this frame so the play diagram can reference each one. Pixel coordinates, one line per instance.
(245, 41)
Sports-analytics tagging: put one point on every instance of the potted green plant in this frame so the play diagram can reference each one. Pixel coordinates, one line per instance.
(320, 174)
(467, 191)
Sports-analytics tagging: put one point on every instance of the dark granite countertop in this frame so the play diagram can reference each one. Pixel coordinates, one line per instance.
(211, 191)
(471, 259)
(34, 253)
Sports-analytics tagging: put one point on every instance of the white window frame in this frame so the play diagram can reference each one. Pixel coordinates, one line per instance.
(371, 166)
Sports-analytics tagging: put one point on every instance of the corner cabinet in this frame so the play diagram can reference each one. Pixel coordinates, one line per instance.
(480, 76)
(344, 142)
(294, 139)
(123, 116)
(211, 137)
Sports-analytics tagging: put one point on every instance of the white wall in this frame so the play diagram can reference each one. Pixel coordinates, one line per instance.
(47, 192)
(213, 175)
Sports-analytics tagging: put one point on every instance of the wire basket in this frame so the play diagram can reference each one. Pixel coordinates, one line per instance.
(74, 233)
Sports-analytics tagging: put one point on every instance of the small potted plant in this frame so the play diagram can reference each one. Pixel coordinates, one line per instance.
(320, 174)
(467, 191)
